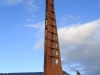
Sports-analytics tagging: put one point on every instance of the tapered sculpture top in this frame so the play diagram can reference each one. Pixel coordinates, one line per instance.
(52, 60)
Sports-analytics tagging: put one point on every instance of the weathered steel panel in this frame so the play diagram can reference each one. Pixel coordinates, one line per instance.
(52, 60)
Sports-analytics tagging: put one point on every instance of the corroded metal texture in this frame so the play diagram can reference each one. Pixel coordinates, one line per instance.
(52, 60)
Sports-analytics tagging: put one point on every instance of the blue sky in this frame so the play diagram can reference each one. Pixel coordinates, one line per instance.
(22, 35)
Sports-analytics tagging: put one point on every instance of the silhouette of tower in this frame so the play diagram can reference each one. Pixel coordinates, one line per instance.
(78, 73)
(52, 60)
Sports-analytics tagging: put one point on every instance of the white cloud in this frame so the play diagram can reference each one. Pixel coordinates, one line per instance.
(28, 4)
(39, 27)
(69, 19)
(10, 2)
(31, 19)
(99, 4)
(39, 33)
(77, 34)
(39, 45)
(80, 44)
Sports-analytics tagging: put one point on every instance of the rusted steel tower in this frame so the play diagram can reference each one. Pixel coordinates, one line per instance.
(52, 60)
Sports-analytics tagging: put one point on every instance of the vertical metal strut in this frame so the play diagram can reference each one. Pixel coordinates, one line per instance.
(52, 60)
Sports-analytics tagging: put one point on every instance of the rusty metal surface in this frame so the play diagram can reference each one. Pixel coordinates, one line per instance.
(52, 60)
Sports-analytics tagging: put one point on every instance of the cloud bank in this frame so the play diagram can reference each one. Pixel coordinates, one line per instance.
(80, 47)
